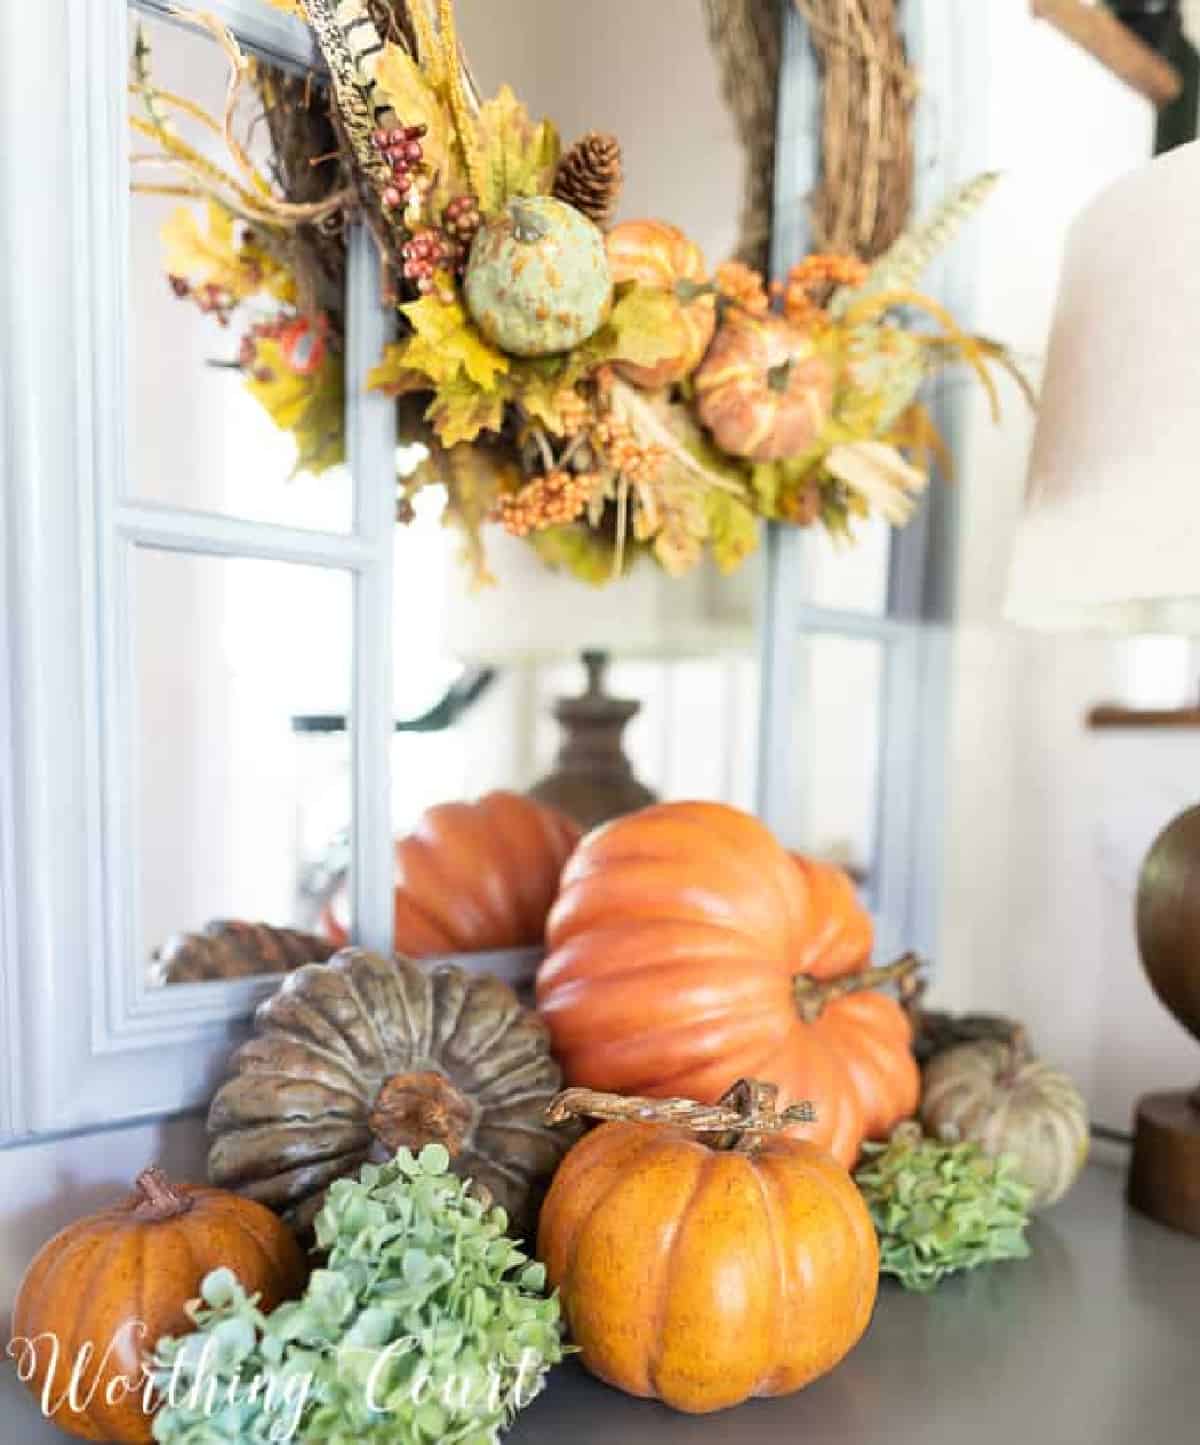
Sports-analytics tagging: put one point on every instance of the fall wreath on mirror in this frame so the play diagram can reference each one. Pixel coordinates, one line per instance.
(597, 390)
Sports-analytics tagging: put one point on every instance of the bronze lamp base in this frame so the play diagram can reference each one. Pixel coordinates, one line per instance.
(1164, 1178)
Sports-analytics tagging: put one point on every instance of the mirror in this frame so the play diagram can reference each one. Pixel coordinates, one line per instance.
(241, 812)
(236, 401)
(835, 762)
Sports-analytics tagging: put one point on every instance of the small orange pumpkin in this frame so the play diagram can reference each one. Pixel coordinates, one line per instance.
(765, 389)
(472, 877)
(661, 256)
(119, 1280)
(699, 1273)
(688, 949)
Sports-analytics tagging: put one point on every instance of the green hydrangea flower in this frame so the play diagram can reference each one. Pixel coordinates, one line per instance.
(427, 1325)
(939, 1207)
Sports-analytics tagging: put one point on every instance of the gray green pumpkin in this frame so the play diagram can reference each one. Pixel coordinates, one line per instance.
(538, 280)
(354, 1058)
(993, 1092)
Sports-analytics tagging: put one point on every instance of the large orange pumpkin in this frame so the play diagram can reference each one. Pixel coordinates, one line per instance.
(687, 949)
(765, 389)
(661, 256)
(119, 1280)
(472, 877)
(702, 1274)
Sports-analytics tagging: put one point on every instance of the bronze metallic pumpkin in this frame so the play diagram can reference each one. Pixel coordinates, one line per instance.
(353, 1059)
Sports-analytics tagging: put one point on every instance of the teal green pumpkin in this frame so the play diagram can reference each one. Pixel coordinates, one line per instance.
(538, 280)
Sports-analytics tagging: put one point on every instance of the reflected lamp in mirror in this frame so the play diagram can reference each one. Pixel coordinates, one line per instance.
(534, 615)
(1110, 542)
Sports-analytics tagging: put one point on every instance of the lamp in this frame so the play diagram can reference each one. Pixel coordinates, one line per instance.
(536, 615)
(1110, 541)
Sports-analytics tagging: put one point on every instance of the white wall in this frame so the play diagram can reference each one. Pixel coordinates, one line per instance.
(1047, 822)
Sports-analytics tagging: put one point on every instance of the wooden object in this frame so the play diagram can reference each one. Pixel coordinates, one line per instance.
(1164, 1179)
(1112, 715)
(593, 780)
(1114, 45)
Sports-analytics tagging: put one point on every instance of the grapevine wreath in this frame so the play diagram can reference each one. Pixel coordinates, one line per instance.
(597, 390)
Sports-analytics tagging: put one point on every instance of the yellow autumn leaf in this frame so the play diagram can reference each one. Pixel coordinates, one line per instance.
(202, 257)
(517, 157)
(394, 375)
(733, 530)
(643, 328)
(290, 7)
(460, 410)
(311, 408)
(451, 336)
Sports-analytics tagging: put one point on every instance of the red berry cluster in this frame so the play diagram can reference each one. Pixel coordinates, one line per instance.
(401, 148)
(461, 220)
(427, 252)
(213, 300)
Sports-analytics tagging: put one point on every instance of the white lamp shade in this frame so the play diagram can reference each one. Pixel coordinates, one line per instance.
(536, 614)
(1110, 538)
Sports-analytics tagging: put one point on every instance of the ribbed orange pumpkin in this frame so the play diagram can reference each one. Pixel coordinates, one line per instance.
(120, 1280)
(472, 877)
(688, 949)
(661, 256)
(702, 1275)
(764, 390)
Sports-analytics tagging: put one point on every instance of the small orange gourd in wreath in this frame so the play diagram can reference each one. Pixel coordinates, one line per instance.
(687, 949)
(660, 256)
(765, 389)
(701, 1256)
(472, 877)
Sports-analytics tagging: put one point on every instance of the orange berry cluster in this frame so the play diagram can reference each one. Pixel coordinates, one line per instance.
(574, 413)
(817, 273)
(641, 463)
(744, 286)
(550, 501)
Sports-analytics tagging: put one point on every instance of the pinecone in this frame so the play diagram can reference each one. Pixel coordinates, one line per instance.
(590, 177)
(229, 948)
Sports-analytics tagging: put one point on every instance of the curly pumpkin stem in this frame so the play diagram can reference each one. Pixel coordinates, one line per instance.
(812, 997)
(741, 1116)
(157, 1198)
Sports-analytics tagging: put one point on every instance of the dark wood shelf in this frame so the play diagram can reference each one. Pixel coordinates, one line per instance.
(1112, 715)
(1114, 45)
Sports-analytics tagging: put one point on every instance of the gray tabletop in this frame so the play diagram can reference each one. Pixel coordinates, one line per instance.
(1094, 1341)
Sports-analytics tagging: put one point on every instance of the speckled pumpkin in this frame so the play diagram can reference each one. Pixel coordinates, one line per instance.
(701, 1275)
(122, 1278)
(994, 1093)
(660, 256)
(538, 280)
(765, 390)
(358, 1057)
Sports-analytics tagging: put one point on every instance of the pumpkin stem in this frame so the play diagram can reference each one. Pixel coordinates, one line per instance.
(779, 378)
(412, 1110)
(812, 997)
(743, 1114)
(528, 225)
(157, 1198)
